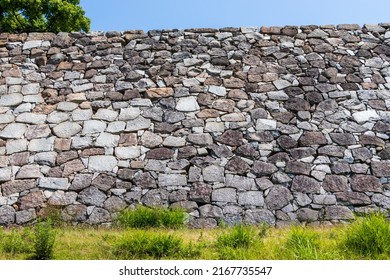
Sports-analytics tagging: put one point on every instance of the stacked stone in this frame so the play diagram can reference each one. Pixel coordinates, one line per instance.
(272, 124)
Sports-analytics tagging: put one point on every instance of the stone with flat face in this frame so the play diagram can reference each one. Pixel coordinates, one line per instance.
(365, 183)
(213, 173)
(102, 163)
(13, 130)
(67, 129)
(305, 184)
(166, 180)
(7, 215)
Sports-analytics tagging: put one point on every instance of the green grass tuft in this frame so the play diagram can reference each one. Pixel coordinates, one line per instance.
(44, 240)
(147, 244)
(368, 237)
(16, 241)
(303, 243)
(144, 217)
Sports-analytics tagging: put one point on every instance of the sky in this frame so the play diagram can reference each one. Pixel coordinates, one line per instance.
(121, 15)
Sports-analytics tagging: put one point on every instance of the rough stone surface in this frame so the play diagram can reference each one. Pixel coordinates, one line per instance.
(276, 124)
(278, 197)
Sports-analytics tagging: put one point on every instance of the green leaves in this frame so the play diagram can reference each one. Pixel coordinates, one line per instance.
(42, 16)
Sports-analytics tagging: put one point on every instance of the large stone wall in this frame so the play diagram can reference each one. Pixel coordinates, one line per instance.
(238, 124)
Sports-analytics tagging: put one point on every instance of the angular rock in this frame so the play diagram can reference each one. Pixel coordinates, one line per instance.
(17, 186)
(365, 183)
(305, 184)
(77, 213)
(263, 169)
(224, 195)
(66, 129)
(213, 173)
(25, 216)
(138, 124)
(353, 198)
(127, 152)
(310, 138)
(102, 163)
(53, 183)
(98, 216)
(155, 198)
(307, 215)
(278, 197)
(159, 92)
(29, 172)
(7, 215)
(338, 213)
(344, 139)
(365, 116)
(37, 131)
(61, 198)
(237, 166)
(81, 181)
(114, 204)
(73, 166)
(201, 139)
(297, 167)
(210, 211)
(200, 192)
(32, 200)
(160, 154)
(92, 196)
(231, 138)
(258, 216)
(335, 183)
(168, 180)
(151, 140)
(145, 181)
(187, 104)
(380, 169)
(13, 130)
(265, 124)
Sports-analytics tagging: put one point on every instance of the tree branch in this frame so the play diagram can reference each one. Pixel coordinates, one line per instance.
(22, 27)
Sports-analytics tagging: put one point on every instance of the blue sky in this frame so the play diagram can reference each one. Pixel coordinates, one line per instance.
(168, 14)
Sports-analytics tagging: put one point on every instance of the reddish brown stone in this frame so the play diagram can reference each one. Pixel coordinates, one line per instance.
(335, 183)
(231, 138)
(62, 144)
(66, 156)
(73, 166)
(208, 113)
(237, 165)
(92, 152)
(128, 139)
(365, 183)
(310, 138)
(17, 186)
(32, 200)
(104, 182)
(19, 159)
(305, 184)
(160, 154)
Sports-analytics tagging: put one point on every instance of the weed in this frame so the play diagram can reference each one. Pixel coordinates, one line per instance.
(143, 244)
(237, 237)
(303, 243)
(16, 241)
(44, 240)
(368, 236)
(53, 214)
(144, 217)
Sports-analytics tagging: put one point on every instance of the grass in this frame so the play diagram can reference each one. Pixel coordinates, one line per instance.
(369, 236)
(144, 217)
(366, 238)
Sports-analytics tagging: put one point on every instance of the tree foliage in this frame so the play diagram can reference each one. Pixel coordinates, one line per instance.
(42, 16)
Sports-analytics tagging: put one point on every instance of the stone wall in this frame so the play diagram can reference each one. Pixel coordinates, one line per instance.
(274, 124)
